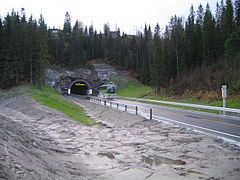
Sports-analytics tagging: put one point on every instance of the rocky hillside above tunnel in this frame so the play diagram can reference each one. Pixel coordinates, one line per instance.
(92, 76)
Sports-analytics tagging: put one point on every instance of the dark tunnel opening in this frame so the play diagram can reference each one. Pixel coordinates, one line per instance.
(80, 88)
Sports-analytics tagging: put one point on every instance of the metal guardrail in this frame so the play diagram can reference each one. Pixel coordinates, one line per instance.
(187, 105)
(122, 107)
(150, 116)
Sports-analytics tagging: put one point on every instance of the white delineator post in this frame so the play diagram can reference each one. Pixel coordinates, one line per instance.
(90, 92)
(224, 96)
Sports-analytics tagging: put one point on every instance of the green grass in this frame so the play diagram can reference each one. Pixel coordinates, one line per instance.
(134, 89)
(232, 101)
(137, 90)
(49, 97)
(184, 107)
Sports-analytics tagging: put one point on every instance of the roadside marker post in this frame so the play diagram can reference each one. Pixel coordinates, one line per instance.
(224, 96)
(136, 110)
(125, 107)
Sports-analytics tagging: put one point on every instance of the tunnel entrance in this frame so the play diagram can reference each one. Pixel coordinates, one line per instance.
(80, 88)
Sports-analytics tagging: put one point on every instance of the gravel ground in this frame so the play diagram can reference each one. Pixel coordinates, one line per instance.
(34, 146)
(40, 143)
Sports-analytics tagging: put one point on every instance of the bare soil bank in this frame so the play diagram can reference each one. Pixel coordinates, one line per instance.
(40, 143)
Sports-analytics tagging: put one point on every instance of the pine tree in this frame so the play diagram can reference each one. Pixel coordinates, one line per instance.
(1, 48)
(31, 49)
(220, 11)
(169, 55)
(157, 65)
(117, 47)
(148, 39)
(2, 61)
(177, 40)
(43, 56)
(10, 50)
(67, 28)
(144, 77)
(190, 39)
(198, 36)
(67, 50)
(228, 24)
(23, 55)
(91, 49)
(147, 53)
(237, 13)
(208, 36)
(76, 44)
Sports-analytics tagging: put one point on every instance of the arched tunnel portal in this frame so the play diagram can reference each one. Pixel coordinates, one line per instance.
(80, 87)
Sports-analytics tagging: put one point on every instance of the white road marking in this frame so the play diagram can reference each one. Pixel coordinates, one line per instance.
(194, 126)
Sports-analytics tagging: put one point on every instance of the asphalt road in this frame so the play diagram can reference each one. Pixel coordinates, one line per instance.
(223, 126)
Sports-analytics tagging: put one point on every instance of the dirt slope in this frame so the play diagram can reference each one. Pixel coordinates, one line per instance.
(31, 142)
(40, 143)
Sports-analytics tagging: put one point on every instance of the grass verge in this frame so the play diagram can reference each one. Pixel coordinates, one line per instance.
(134, 89)
(232, 101)
(49, 97)
(137, 90)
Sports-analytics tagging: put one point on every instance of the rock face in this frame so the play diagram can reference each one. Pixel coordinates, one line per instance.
(63, 79)
(93, 76)
(108, 73)
(104, 71)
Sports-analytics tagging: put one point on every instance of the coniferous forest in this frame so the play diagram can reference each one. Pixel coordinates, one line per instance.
(202, 52)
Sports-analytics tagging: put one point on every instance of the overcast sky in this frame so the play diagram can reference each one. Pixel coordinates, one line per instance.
(126, 14)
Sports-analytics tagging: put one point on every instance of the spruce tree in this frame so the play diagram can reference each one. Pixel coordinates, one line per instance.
(228, 24)
(237, 13)
(177, 40)
(208, 36)
(198, 36)
(67, 28)
(43, 55)
(220, 11)
(190, 39)
(157, 66)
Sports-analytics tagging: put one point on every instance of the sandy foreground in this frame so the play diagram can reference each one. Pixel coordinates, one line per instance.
(40, 143)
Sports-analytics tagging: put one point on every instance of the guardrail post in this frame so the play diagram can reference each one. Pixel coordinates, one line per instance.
(136, 110)
(125, 107)
(150, 114)
(117, 105)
